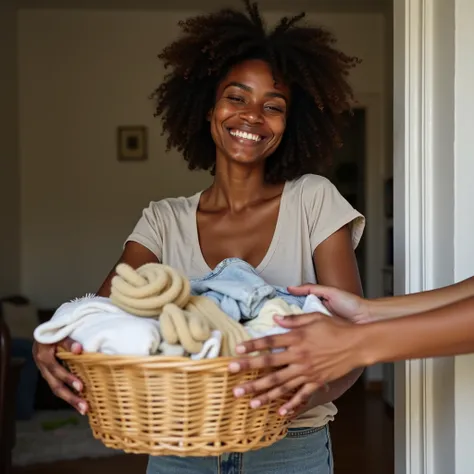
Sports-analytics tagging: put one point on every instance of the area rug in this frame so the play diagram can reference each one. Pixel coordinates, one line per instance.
(56, 435)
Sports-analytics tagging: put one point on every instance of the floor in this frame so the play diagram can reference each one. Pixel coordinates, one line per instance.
(362, 436)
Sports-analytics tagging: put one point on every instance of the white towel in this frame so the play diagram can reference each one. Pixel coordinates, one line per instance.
(312, 304)
(100, 326)
(211, 348)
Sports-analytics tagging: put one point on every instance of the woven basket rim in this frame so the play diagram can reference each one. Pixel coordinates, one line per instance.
(156, 361)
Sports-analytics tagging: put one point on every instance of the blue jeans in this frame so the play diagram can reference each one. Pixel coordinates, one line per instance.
(302, 451)
(239, 290)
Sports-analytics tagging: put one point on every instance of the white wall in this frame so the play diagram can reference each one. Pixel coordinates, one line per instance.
(464, 222)
(9, 163)
(81, 74)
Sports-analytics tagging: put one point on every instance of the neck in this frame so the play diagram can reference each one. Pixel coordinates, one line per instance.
(236, 187)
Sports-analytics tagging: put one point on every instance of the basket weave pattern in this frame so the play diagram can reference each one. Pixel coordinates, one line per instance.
(172, 406)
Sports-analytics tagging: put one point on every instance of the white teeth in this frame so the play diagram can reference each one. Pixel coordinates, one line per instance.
(246, 135)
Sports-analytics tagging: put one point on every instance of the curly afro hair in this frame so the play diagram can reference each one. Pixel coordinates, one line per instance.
(303, 56)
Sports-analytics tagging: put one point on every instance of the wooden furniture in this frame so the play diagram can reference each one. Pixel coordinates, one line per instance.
(9, 375)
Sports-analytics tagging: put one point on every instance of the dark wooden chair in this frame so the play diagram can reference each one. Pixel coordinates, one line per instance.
(9, 376)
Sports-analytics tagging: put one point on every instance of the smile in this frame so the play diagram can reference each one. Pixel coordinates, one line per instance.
(245, 135)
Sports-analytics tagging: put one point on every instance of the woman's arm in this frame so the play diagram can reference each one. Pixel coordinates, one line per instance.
(336, 266)
(397, 306)
(360, 310)
(444, 331)
(135, 255)
(58, 378)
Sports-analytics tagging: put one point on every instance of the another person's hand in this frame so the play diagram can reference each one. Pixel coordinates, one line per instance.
(58, 378)
(316, 351)
(338, 302)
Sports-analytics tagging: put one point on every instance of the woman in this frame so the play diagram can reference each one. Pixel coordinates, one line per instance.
(320, 349)
(260, 111)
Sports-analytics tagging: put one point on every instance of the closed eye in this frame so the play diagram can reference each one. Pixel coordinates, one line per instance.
(275, 109)
(235, 98)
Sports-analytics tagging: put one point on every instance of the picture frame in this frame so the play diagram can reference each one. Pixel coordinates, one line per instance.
(132, 143)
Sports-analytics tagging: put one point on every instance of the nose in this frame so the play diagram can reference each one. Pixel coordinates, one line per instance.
(252, 114)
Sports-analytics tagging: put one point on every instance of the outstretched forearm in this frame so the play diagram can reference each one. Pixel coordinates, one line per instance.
(445, 331)
(397, 306)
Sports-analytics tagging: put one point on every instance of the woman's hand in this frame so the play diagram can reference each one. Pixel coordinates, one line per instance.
(57, 377)
(342, 303)
(316, 351)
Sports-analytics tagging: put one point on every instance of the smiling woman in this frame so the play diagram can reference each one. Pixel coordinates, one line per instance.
(261, 111)
(249, 117)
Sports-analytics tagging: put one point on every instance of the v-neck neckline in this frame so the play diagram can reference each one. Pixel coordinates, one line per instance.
(197, 251)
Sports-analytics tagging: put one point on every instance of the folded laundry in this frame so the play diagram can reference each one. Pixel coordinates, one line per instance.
(171, 350)
(146, 290)
(156, 310)
(159, 291)
(187, 329)
(264, 321)
(239, 290)
(100, 326)
(211, 348)
(265, 325)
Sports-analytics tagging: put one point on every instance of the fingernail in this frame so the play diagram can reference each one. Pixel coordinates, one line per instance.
(82, 408)
(238, 392)
(255, 403)
(283, 411)
(240, 349)
(75, 347)
(234, 367)
(77, 386)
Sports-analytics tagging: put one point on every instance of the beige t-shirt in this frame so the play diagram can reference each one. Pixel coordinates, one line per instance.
(311, 210)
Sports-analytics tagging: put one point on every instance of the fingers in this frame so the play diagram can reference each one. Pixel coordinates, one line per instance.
(300, 398)
(311, 289)
(261, 362)
(59, 388)
(276, 341)
(57, 377)
(278, 392)
(274, 380)
(71, 345)
(298, 320)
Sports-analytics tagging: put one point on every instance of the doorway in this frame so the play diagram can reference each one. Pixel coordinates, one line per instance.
(348, 173)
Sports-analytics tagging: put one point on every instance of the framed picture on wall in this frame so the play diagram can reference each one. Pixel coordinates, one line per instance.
(132, 143)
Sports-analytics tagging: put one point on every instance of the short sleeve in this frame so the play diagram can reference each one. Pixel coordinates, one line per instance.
(148, 231)
(328, 211)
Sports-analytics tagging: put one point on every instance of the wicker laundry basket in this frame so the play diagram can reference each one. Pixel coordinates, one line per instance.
(172, 406)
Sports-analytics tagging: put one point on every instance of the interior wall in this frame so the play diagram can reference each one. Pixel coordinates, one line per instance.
(463, 222)
(82, 73)
(10, 174)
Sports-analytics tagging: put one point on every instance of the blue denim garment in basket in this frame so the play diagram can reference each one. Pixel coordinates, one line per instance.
(239, 290)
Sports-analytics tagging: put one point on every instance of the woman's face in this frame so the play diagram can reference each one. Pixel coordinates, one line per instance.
(249, 116)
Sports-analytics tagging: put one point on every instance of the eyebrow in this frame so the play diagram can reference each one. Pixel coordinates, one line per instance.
(249, 89)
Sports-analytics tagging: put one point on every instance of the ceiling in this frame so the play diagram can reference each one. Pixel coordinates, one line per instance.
(195, 5)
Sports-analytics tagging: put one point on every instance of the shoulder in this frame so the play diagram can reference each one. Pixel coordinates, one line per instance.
(309, 186)
(325, 208)
(171, 206)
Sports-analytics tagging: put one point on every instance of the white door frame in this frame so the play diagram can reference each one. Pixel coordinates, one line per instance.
(422, 123)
